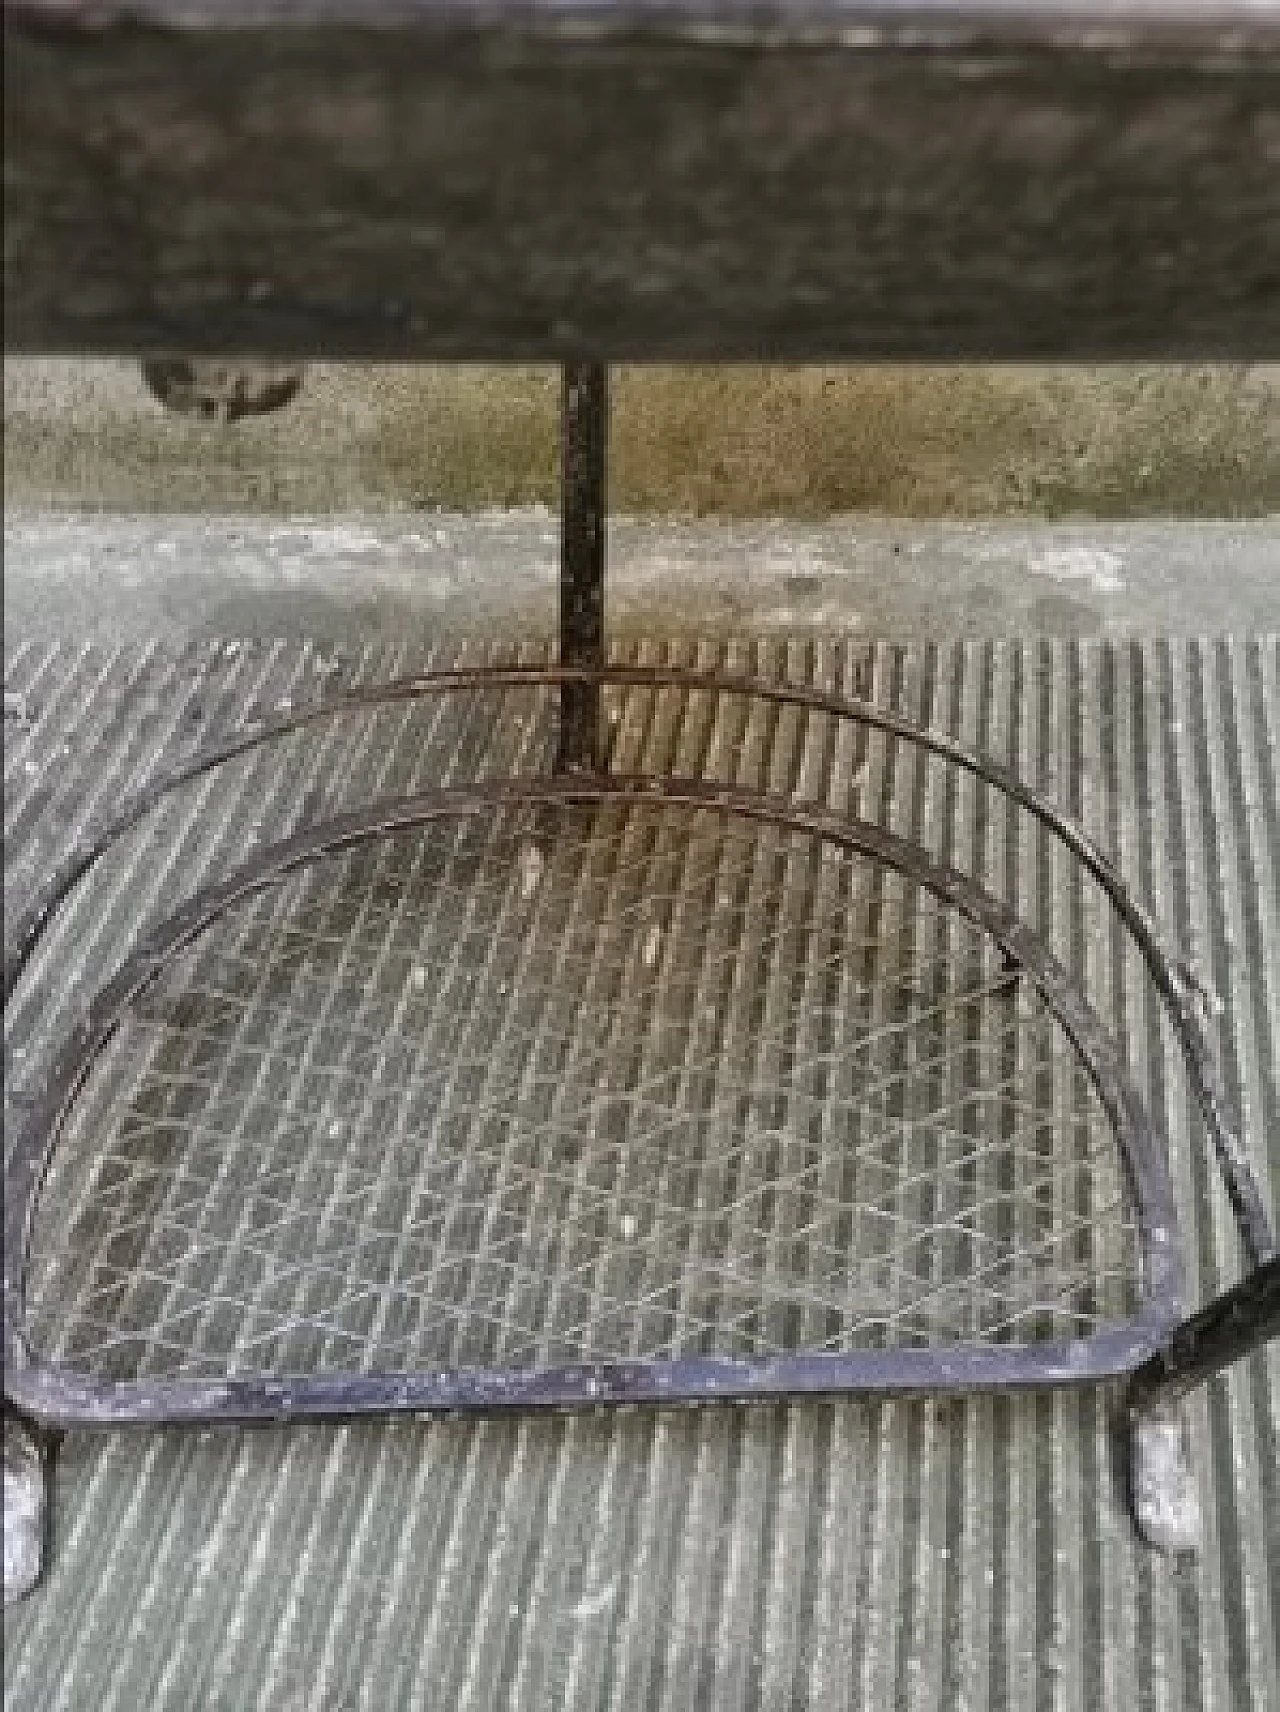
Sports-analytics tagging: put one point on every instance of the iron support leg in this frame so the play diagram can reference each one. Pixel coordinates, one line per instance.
(582, 546)
(1231, 1326)
(26, 1473)
(1162, 1483)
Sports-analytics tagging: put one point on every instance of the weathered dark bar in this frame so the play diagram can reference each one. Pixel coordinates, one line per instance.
(585, 430)
(432, 178)
(1242, 1319)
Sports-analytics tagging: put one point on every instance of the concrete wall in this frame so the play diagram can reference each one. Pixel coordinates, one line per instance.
(907, 442)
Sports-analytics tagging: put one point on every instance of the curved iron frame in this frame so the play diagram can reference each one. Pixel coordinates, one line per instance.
(54, 1395)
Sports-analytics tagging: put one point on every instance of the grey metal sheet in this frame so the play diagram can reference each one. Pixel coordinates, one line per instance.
(971, 1554)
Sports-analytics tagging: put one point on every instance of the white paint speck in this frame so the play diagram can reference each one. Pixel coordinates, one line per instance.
(418, 978)
(1097, 566)
(652, 946)
(343, 538)
(532, 863)
(629, 1226)
(595, 1603)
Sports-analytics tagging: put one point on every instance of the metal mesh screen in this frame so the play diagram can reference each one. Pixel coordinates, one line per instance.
(571, 1083)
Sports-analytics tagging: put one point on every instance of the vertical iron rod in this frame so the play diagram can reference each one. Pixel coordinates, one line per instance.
(582, 545)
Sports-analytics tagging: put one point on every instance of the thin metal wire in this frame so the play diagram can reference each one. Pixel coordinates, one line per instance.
(583, 1084)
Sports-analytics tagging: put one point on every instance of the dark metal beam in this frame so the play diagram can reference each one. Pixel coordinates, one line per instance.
(1238, 1322)
(582, 554)
(432, 178)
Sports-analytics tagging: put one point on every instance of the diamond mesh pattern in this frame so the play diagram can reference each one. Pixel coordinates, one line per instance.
(557, 1084)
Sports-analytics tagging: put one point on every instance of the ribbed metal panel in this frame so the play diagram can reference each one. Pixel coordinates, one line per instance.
(970, 1554)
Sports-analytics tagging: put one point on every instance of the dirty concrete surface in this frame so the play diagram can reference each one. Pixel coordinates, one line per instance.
(492, 575)
(894, 441)
(882, 501)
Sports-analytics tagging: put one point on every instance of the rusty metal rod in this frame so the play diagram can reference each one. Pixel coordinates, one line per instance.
(583, 500)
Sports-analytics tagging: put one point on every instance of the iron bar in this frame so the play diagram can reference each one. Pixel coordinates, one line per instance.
(1239, 1321)
(585, 405)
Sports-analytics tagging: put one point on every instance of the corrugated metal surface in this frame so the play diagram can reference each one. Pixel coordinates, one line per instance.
(967, 1554)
